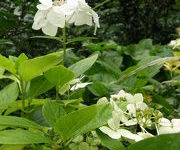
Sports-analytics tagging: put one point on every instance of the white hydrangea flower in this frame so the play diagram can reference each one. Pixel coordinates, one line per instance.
(77, 84)
(54, 14)
(50, 16)
(80, 86)
(135, 102)
(167, 126)
(80, 13)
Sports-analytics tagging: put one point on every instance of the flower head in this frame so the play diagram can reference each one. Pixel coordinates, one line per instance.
(54, 14)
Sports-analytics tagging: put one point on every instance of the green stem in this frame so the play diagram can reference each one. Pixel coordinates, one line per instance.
(23, 98)
(101, 4)
(64, 44)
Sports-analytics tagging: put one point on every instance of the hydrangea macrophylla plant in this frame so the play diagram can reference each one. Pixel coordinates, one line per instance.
(54, 14)
(135, 113)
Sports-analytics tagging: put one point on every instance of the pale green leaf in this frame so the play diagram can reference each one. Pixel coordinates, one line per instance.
(51, 111)
(59, 75)
(83, 120)
(38, 86)
(12, 147)
(22, 137)
(6, 64)
(12, 121)
(8, 95)
(135, 69)
(32, 68)
(83, 65)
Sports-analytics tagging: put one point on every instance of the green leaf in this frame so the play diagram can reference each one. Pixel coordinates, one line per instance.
(79, 39)
(12, 147)
(8, 95)
(12, 121)
(83, 120)
(32, 68)
(135, 69)
(164, 142)
(2, 71)
(38, 86)
(22, 137)
(21, 59)
(17, 105)
(7, 64)
(59, 75)
(47, 37)
(110, 143)
(52, 111)
(83, 65)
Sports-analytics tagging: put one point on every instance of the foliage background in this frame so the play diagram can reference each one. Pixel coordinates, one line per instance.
(123, 21)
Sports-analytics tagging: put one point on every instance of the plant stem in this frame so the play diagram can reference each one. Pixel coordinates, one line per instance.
(23, 98)
(64, 44)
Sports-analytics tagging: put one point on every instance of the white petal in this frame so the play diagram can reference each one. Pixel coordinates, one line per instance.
(130, 98)
(131, 122)
(96, 21)
(111, 133)
(114, 122)
(40, 14)
(114, 105)
(36, 26)
(142, 106)
(176, 129)
(127, 134)
(46, 2)
(166, 130)
(138, 98)
(122, 93)
(143, 136)
(83, 18)
(132, 109)
(57, 19)
(176, 122)
(79, 86)
(49, 29)
(164, 122)
(42, 7)
(39, 20)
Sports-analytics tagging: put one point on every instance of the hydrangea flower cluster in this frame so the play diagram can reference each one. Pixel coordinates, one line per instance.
(58, 13)
(131, 110)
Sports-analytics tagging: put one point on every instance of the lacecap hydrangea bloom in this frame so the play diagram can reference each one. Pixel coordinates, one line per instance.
(52, 15)
(135, 112)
